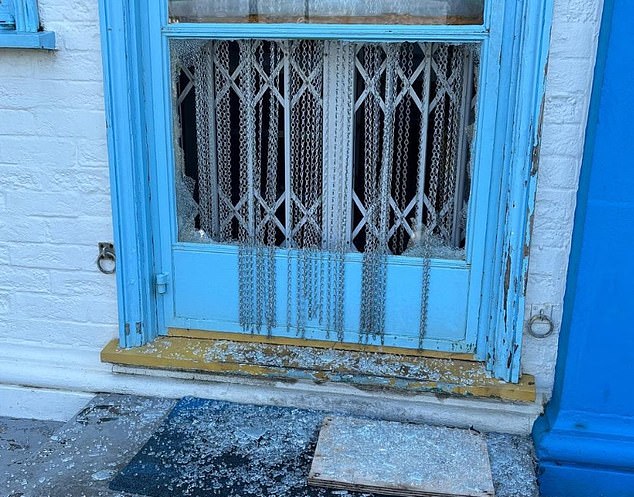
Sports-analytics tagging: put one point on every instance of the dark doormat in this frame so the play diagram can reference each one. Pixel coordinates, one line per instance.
(210, 448)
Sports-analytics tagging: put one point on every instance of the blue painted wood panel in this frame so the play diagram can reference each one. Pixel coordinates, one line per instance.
(586, 439)
(455, 297)
(207, 298)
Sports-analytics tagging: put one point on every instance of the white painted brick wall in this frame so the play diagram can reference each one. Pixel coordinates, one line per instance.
(54, 195)
(568, 89)
(54, 186)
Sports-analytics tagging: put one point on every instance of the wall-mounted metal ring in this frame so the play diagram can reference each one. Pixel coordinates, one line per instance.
(540, 326)
(107, 259)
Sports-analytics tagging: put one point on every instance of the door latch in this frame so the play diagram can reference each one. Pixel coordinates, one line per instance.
(160, 281)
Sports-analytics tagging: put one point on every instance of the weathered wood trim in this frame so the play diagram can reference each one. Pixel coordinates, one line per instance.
(44, 40)
(121, 34)
(524, 63)
(125, 28)
(27, 16)
(442, 376)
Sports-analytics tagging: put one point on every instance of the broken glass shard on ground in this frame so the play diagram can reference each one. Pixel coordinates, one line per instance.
(116, 427)
(211, 448)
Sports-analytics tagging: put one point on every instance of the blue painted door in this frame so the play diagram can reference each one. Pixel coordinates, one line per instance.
(444, 72)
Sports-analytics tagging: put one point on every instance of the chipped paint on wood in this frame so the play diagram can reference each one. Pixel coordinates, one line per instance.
(533, 23)
(129, 170)
(365, 370)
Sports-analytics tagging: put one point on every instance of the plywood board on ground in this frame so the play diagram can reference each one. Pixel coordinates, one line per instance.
(402, 459)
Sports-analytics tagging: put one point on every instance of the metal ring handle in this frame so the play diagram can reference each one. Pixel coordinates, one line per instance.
(540, 318)
(106, 253)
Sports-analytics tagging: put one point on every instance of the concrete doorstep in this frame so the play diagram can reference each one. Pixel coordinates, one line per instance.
(81, 457)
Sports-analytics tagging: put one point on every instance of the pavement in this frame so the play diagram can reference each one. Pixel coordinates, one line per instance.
(81, 457)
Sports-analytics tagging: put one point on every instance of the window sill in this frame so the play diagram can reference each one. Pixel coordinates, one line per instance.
(396, 373)
(43, 40)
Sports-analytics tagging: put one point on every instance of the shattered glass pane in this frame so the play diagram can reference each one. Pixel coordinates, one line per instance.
(259, 124)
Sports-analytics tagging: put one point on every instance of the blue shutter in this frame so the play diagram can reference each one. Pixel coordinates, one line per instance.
(7, 15)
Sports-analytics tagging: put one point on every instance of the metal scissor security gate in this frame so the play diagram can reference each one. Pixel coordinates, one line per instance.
(315, 150)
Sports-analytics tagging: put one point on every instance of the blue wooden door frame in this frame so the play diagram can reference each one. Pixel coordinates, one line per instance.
(203, 292)
(514, 143)
(585, 440)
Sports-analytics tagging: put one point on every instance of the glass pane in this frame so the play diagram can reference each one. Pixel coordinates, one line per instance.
(312, 144)
(329, 11)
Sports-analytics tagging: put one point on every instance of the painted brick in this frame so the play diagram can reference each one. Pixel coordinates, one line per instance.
(66, 332)
(73, 11)
(542, 352)
(27, 279)
(574, 40)
(561, 139)
(547, 237)
(41, 152)
(57, 204)
(78, 180)
(579, 10)
(17, 178)
(4, 255)
(557, 172)
(44, 204)
(543, 288)
(16, 122)
(548, 261)
(71, 123)
(91, 283)
(83, 231)
(43, 255)
(4, 303)
(78, 36)
(568, 89)
(63, 307)
(23, 229)
(564, 109)
(93, 152)
(56, 65)
(62, 94)
(564, 77)
(555, 209)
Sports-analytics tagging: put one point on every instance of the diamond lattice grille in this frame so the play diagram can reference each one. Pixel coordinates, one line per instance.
(259, 133)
